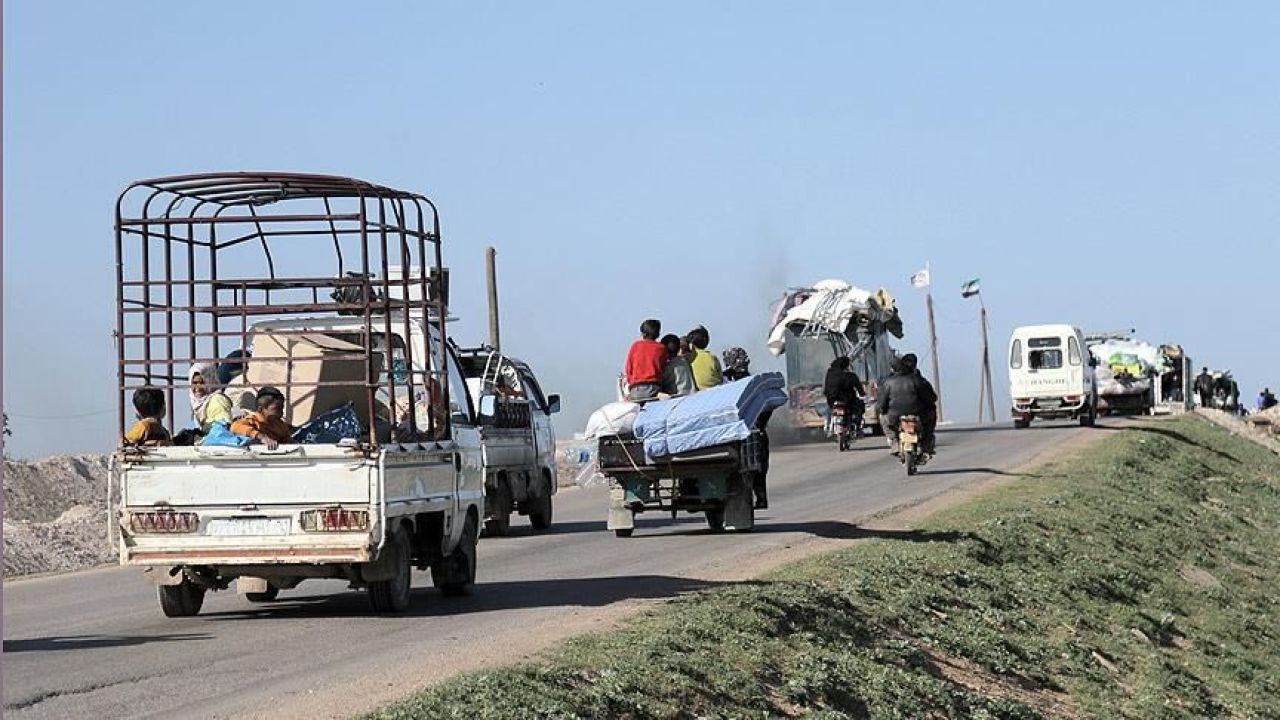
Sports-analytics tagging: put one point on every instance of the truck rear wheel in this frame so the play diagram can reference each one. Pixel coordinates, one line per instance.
(540, 513)
(499, 522)
(182, 600)
(1089, 417)
(1022, 423)
(715, 519)
(456, 573)
(392, 596)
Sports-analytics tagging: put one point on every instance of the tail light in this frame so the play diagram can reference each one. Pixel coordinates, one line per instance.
(1022, 401)
(334, 520)
(908, 425)
(164, 522)
(1073, 398)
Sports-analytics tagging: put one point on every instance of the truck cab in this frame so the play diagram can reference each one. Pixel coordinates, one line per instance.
(517, 438)
(1051, 375)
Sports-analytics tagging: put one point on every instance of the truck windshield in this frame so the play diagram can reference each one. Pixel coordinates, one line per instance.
(808, 359)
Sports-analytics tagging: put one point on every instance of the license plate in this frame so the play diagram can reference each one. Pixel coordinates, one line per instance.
(249, 526)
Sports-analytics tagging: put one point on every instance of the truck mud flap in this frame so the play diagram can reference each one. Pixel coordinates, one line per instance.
(163, 574)
(384, 568)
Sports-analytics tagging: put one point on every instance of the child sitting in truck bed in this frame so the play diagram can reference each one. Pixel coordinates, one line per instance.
(148, 431)
(267, 424)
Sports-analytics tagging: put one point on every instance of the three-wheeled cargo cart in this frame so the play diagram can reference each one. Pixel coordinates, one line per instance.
(721, 481)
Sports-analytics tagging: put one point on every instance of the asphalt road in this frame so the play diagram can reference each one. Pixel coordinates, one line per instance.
(95, 645)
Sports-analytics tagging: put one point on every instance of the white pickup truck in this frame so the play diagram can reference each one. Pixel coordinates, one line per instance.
(200, 516)
(516, 437)
(346, 317)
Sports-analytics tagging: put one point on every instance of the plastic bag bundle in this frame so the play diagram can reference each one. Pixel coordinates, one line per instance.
(330, 428)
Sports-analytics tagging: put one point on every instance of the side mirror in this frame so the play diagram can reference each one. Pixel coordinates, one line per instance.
(553, 404)
(488, 406)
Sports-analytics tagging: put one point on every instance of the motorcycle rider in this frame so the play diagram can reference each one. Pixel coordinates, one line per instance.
(907, 392)
(843, 385)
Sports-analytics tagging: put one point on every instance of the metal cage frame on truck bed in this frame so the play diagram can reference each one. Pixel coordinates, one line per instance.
(175, 308)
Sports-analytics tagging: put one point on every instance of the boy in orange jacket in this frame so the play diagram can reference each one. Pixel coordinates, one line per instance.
(267, 425)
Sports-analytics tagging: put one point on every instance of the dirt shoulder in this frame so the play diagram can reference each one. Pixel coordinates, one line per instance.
(1115, 583)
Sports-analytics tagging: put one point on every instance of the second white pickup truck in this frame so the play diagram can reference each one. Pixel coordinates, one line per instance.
(517, 438)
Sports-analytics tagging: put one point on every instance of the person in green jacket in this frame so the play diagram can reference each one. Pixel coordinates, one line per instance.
(706, 366)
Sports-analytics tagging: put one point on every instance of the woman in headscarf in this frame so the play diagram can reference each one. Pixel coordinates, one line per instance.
(208, 403)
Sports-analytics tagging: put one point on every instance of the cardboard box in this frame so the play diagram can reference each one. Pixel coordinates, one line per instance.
(293, 363)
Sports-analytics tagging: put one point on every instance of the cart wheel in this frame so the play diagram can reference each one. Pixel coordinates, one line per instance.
(624, 532)
(715, 519)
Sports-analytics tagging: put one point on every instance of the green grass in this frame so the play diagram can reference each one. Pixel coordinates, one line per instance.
(1140, 580)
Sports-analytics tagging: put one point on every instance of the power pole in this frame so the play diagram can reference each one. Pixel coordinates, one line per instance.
(491, 275)
(986, 387)
(933, 352)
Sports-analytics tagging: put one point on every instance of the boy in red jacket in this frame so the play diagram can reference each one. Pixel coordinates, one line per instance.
(645, 363)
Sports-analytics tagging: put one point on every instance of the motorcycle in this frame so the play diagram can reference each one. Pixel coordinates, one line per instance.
(843, 426)
(910, 451)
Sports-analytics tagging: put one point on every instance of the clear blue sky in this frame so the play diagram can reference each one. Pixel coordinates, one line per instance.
(1110, 165)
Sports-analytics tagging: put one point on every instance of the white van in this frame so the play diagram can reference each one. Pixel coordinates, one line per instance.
(1051, 375)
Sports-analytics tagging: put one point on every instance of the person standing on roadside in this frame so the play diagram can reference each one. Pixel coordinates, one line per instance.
(1204, 387)
(706, 366)
(646, 361)
(1266, 399)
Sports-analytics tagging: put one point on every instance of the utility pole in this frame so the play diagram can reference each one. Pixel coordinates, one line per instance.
(933, 352)
(924, 279)
(986, 369)
(985, 390)
(491, 275)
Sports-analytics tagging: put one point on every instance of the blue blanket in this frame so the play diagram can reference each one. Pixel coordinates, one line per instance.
(716, 416)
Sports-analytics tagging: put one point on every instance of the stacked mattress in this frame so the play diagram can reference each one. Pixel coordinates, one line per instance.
(720, 415)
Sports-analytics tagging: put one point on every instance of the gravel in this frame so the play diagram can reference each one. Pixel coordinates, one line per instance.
(55, 519)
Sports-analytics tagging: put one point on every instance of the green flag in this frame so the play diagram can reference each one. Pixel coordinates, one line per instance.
(970, 288)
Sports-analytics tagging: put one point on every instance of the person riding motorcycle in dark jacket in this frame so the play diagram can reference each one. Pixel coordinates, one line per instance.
(843, 385)
(906, 392)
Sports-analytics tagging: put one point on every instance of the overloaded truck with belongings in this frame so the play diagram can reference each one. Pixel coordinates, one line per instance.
(517, 439)
(813, 326)
(1132, 375)
(702, 453)
(383, 471)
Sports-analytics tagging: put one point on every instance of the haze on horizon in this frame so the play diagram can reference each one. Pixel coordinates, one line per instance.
(1109, 166)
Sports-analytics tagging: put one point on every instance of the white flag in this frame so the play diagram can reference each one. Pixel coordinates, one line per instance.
(920, 279)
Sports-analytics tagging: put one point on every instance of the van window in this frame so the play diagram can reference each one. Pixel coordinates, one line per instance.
(1073, 351)
(1015, 355)
(1044, 359)
(534, 392)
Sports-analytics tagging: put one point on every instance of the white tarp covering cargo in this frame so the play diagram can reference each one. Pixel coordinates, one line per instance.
(1125, 367)
(833, 305)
